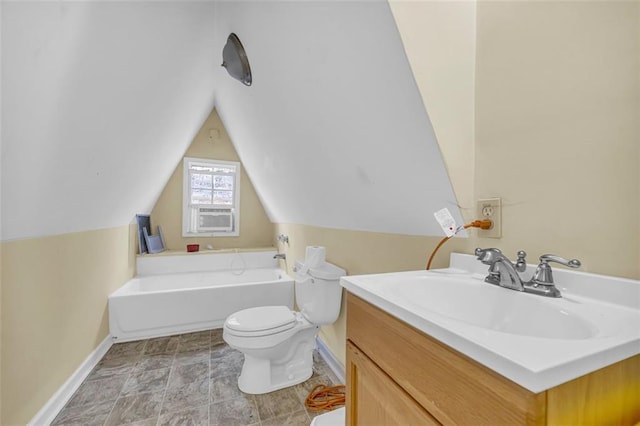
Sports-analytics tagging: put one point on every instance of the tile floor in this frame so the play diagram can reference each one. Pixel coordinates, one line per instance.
(190, 379)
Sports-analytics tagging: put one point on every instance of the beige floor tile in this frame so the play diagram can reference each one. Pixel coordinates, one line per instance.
(187, 380)
(98, 391)
(187, 396)
(86, 415)
(198, 416)
(192, 356)
(224, 388)
(111, 367)
(125, 350)
(182, 375)
(298, 418)
(162, 345)
(234, 412)
(154, 361)
(146, 381)
(129, 409)
(277, 404)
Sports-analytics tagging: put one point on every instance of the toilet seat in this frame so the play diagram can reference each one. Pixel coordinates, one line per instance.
(267, 337)
(260, 321)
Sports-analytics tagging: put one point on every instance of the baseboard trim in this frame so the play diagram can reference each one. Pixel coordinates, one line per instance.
(334, 363)
(50, 410)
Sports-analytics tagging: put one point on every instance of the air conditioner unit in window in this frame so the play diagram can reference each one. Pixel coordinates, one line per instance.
(211, 219)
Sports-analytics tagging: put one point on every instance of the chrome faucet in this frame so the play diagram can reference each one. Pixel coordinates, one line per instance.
(505, 274)
(281, 256)
(501, 271)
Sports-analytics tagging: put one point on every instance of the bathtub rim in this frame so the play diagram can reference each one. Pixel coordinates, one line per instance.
(169, 261)
(123, 291)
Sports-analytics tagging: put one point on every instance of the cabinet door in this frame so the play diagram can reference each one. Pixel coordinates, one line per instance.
(373, 398)
(453, 388)
(609, 396)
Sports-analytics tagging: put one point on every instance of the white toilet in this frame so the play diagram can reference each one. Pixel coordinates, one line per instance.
(278, 343)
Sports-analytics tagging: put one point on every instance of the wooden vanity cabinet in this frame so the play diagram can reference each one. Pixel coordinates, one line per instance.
(382, 400)
(398, 375)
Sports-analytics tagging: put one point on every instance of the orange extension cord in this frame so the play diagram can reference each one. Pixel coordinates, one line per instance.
(324, 397)
(482, 224)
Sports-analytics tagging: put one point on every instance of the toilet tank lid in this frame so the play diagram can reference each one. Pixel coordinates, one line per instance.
(324, 271)
(261, 318)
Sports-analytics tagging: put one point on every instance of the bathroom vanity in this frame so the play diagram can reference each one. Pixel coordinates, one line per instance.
(399, 373)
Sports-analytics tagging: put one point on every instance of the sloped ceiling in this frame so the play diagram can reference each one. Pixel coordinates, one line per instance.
(99, 102)
(333, 131)
(101, 99)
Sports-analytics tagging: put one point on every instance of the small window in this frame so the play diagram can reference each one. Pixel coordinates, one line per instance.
(211, 197)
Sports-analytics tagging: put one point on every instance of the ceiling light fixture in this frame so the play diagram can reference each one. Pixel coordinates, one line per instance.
(235, 61)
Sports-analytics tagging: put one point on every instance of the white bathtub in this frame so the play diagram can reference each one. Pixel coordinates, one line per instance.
(163, 303)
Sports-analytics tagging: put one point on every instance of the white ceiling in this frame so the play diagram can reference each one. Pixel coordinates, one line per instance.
(333, 131)
(99, 102)
(101, 99)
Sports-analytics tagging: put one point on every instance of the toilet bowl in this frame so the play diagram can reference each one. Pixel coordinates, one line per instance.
(277, 342)
(277, 354)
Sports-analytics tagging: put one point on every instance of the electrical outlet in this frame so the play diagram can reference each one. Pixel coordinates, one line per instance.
(490, 208)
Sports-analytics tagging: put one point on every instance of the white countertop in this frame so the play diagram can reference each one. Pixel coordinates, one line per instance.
(611, 305)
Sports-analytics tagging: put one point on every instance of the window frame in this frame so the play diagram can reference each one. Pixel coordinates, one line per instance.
(186, 198)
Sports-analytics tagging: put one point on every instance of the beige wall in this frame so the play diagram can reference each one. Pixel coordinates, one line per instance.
(557, 129)
(54, 310)
(1, 334)
(363, 253)
(548, 121)
(256, 230)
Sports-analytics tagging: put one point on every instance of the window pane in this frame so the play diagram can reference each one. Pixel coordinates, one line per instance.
(222, 182)
(224, 169)
(206, 168)
(209, 183)
(201, 196)
(201, 181)
(223, 197)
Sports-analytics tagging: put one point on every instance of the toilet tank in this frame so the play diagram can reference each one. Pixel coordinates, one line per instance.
(318, 292)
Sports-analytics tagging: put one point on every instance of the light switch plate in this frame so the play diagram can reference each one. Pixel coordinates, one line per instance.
(490, 208)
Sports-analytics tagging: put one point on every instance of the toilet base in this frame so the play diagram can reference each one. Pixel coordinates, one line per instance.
(248, 383)
(262, 375)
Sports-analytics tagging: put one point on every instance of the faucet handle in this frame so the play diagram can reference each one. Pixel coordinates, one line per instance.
(521, 263)
(573, 263)
(544, 275)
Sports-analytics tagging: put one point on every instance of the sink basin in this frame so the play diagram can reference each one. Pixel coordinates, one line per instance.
(482, 305)
(538, 342)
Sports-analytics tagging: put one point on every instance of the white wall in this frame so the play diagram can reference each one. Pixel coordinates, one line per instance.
(333, 132)
(100, 101)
